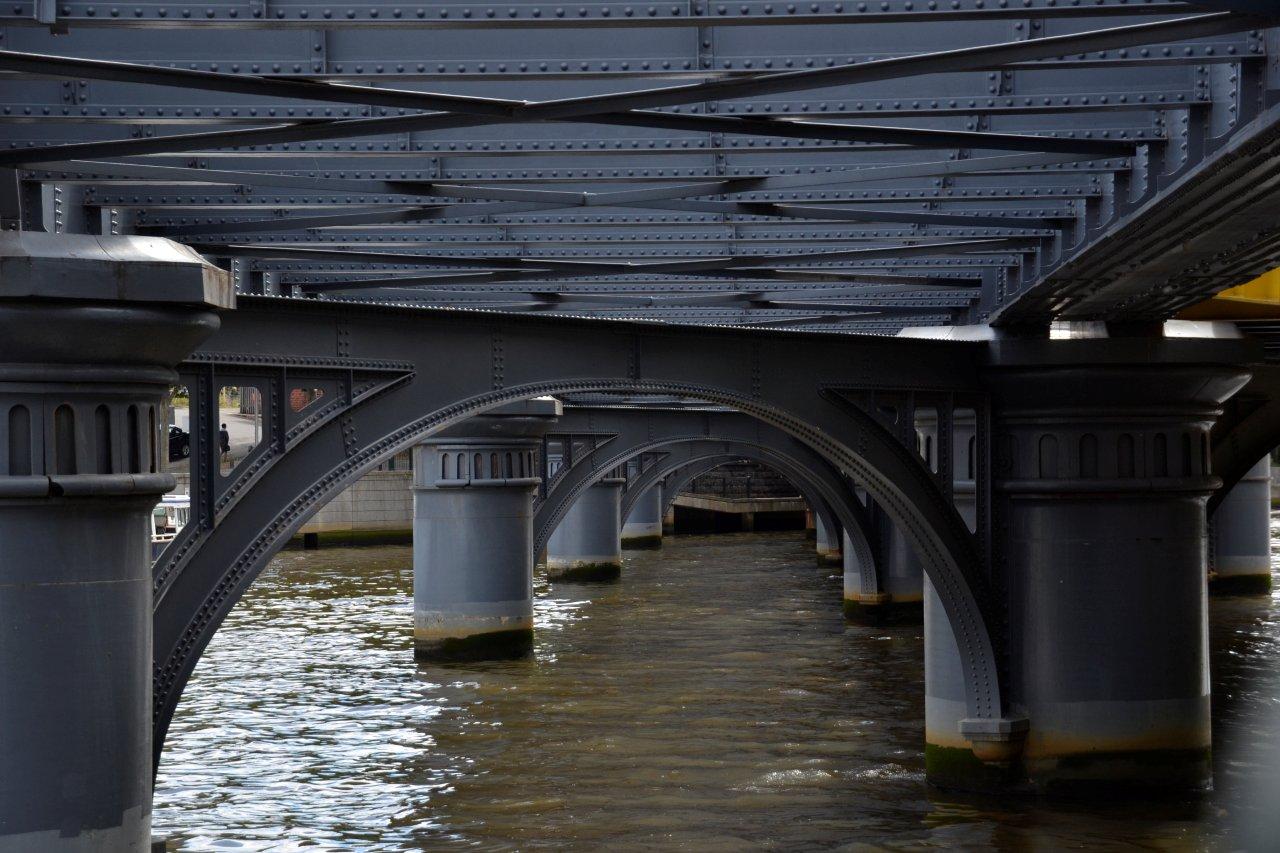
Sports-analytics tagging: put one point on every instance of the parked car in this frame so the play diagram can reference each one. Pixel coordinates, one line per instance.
(179, 443)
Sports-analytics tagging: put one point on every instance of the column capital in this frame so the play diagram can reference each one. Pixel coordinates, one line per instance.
(498, 449)
(465, 462)
(91, 329)
(1113, 415)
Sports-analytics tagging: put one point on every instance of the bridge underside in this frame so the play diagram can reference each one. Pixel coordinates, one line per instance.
(838, 167)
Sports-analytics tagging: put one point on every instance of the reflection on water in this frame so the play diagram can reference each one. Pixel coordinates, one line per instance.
(711, 700)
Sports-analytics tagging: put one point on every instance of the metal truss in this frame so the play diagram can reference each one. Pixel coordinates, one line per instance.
(734, 150)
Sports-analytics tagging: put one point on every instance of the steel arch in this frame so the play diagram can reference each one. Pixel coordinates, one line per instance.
(629, 432)
(463, 363)
(863, 535)
(826, 491)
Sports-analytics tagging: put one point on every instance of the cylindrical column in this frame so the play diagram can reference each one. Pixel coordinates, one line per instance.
(643, 528)
(903, 575)
(862, 595)
(587, 544)
(83, 380)
(1240, 536)
(473, 547)
(1101, 479)
(75, 660)
(827, 543)
(889, 593)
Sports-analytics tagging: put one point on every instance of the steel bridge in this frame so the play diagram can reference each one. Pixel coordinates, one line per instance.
(573, 255)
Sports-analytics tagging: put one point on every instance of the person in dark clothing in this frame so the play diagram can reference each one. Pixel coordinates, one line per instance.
(224, 439)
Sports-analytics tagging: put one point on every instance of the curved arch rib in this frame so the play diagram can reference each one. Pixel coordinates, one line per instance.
(489, 360)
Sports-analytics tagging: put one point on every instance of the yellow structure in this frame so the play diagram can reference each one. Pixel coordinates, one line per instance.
(1257, 300)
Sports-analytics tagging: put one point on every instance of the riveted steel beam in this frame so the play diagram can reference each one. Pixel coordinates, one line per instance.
(533, 15)
(120, 111)
(463, 211)
(552, 67)
(1244, 7)
(715, 266)
(816, 300)
(827, 176)
(617, 170)
(610, 108)
(393, 127)
(886, 287)
(938, 62)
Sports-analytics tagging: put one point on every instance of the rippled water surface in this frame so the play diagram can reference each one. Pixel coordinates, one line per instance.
(713, 699)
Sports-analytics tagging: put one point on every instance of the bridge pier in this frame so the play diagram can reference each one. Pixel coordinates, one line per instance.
(1240, 536)
(827, 544)
(899, 600)
(643, 528)
(587, 544)
(1100, 550)
(83, 379)
(1100, 538)
(473, 537)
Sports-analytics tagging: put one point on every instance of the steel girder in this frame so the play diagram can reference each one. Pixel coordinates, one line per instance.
(776, 126)
(1211, 228)
(532, 14)
(398, 374)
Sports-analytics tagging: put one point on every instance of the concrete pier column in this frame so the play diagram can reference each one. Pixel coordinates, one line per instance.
(1101, 477)
(903, 574)
(587, 545)
(890, 592)
(863, 600)
(473, 538)
(643, 528)
(899, 599)
(84, 376)
(827, 544)
(1240, 536)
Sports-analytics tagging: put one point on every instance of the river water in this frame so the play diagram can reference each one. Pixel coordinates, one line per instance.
(713, 699)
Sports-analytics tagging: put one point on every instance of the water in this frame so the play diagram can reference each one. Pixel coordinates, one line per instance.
(711, 700)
